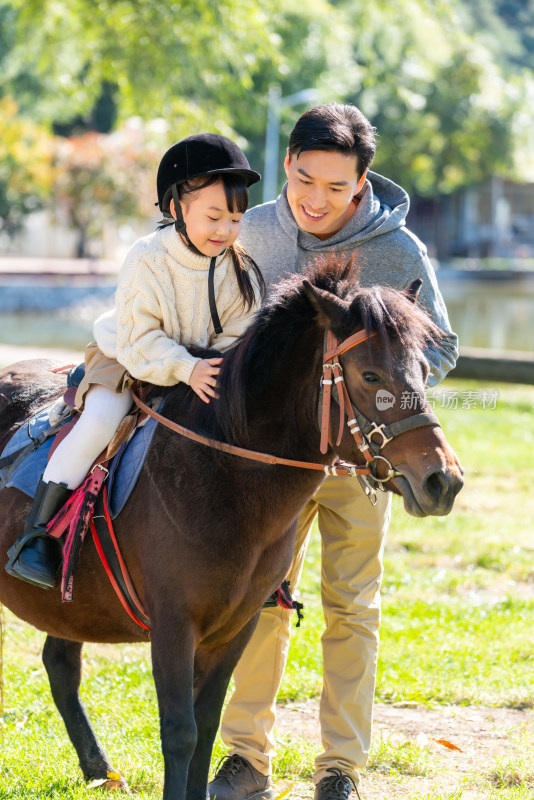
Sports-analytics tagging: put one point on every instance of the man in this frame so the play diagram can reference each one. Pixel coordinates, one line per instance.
(329, 203)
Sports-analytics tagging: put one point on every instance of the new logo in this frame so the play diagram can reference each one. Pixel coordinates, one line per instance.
(384, 399)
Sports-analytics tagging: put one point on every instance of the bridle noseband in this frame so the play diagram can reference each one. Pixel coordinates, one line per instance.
(360, 427)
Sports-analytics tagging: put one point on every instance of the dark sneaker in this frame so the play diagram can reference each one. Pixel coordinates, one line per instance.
(339, 786)
(236, 779)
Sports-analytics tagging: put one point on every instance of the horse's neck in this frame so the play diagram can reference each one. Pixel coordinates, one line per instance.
(282, 394)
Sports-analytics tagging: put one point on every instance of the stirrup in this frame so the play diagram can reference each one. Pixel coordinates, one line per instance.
(19, 544)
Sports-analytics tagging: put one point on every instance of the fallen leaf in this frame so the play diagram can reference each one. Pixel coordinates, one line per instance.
(448, 745)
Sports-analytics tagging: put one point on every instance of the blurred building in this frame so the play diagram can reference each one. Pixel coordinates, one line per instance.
(494, 220)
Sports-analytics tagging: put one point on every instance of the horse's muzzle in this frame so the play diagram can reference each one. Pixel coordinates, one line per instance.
(441, 487)
(434, 496)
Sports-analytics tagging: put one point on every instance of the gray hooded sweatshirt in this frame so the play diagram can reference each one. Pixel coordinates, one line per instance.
(387, 252)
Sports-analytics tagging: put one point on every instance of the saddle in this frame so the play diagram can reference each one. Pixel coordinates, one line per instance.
(24, 458)
(94, 505)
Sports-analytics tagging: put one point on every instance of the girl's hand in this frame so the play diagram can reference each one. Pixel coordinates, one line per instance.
(203, 379)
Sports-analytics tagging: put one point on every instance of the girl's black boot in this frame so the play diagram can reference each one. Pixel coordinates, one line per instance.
(36, 556)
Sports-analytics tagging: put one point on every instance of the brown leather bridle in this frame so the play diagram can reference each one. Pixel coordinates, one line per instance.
(360, 427)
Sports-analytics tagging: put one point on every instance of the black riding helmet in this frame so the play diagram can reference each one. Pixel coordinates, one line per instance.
(200, 154)
(192, 157)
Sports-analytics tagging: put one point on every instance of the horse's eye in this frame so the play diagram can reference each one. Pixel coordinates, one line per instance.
(371, 377)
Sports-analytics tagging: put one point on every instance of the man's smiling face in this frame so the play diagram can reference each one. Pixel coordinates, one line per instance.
(321, 185)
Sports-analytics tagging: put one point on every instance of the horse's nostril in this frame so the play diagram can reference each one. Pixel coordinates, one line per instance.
(457, 484)
(436, 484)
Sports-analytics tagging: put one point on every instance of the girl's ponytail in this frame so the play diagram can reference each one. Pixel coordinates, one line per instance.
(242, 264)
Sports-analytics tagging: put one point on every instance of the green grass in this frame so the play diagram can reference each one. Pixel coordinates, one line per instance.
(397, 759)
(510, 773)
(458, 605)
(119, 694)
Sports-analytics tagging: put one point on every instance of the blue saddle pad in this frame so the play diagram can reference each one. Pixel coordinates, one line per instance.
(124, 468)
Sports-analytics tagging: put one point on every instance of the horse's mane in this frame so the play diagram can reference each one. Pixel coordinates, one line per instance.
(287, 314)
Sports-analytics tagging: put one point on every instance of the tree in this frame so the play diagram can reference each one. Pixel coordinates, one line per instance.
(185, 61)
(26, 166)
(101, 177)
(201, 66)
(444, 110)
(438, 79)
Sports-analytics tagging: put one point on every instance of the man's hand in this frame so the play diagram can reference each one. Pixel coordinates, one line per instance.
(203, 379)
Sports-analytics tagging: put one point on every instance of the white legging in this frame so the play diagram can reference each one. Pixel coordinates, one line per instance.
(102, 413)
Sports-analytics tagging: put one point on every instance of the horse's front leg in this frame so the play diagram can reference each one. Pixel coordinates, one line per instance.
(213, 670)
(63, 663)
(173, 648)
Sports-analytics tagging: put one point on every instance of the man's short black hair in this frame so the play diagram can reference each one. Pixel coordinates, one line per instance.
(341, 128)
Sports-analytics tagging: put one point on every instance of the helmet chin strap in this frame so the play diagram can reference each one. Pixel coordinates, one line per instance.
(211, 297)
(179, 226)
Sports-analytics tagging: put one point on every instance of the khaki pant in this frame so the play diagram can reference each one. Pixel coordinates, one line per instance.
(100, 370)
(352, 533)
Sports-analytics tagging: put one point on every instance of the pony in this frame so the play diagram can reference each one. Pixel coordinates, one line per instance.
(207, 536)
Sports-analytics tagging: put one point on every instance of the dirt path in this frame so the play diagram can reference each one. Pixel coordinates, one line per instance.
(485, 736)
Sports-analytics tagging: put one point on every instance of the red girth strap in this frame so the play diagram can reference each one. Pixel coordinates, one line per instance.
(110, 555)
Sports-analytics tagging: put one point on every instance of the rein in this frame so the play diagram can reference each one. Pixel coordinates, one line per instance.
(360, 427)
(253, 455)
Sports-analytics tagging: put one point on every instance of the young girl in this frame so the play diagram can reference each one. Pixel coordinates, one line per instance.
(185, 284)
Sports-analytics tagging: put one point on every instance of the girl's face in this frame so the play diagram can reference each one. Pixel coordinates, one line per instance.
(210, 225)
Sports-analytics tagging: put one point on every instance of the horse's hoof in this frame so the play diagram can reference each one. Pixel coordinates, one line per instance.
(117, 786)
(112, 782)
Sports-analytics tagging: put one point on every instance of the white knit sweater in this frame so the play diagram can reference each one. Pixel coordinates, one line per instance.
(162, 307)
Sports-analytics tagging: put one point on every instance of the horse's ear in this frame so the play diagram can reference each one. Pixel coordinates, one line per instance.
(412, 291)
(331, 310)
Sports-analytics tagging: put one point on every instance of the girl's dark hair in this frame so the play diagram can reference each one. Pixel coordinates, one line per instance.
(342, 128)
(236, 191)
